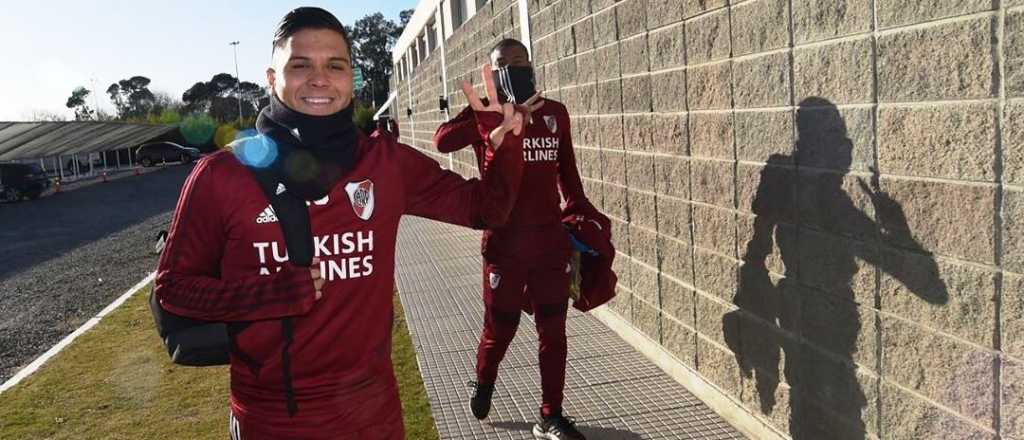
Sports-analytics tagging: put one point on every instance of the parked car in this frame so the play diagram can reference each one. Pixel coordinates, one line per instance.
(20, 181)
(157, 152)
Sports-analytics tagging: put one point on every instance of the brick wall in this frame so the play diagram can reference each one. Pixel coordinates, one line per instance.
(736, 146)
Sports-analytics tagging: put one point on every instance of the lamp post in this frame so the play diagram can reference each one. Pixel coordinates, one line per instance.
(238, 83)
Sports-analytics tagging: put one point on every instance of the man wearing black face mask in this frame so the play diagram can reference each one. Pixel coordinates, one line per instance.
(327, 373)
(532, 251)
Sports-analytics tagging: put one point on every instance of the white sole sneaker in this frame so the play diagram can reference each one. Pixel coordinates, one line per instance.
(537, 433)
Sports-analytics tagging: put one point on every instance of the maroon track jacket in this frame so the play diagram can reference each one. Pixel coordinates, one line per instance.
(535, 225)
(226, 260)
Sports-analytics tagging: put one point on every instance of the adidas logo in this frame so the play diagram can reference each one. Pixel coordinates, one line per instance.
(267, 216)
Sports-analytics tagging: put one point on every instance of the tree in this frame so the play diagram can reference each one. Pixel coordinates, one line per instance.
(163, 101)
(372, 39)
(219, 97)
(168, 116)
(197, 98)
(103, 115)
(46, 116)
(131, 97)
(224, 109)
(253, 95)
(403, 21)
(362, 116)
(222, 83)
(77, 102)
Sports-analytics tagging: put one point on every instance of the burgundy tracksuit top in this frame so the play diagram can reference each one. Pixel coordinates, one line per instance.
(226, 260)
(549, 166)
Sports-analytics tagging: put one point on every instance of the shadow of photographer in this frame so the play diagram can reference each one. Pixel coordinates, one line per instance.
(806, 290)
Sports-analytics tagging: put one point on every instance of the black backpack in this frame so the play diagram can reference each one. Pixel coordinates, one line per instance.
(199, 343)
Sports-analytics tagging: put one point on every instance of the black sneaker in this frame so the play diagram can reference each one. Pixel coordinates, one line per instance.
(481, 401)
(557, 427)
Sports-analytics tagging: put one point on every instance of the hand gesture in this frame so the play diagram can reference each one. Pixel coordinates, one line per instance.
(891, 218)
(531, 105)
(874, 190)
(512, 120)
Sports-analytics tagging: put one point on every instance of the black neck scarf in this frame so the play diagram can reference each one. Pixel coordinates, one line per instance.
(314, 152)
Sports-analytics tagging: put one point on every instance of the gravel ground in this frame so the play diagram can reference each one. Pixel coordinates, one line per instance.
(64, 258)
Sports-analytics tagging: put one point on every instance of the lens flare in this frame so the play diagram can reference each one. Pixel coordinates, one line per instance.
(255, 151)
(302, 166)
(198, 130)
(225, 135)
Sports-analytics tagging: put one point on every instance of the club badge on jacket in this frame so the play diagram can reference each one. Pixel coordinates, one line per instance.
(361, 196)
(552, 123)
(495, 279)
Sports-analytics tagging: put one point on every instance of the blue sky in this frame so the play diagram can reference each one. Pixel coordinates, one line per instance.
(51, 47)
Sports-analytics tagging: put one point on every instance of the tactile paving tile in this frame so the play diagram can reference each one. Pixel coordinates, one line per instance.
(450, 324)
(611, 390)
(696, 422)
(584, 326)
(598, 370)
(451, 341)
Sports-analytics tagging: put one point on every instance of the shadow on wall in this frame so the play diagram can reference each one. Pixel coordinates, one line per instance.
(799, 287)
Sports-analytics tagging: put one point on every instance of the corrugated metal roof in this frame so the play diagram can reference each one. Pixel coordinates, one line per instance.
(32, 140)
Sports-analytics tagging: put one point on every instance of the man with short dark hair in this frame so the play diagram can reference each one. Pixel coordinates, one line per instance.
(531, 252)
(314, 361)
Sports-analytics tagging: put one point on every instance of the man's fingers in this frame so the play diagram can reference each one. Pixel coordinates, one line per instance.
(497, 137)
(534, 102)
(530, 106)
(492, 92)
(318, 285)
(517, 123)
(513, 119)
(507, 110)
(318, 280)
(472, 97)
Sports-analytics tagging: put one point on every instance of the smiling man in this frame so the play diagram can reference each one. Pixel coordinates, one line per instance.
(314, 361)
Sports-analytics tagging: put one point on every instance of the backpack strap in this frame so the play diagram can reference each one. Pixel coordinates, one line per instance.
(288, 333)
(195, 342)
(293, 217)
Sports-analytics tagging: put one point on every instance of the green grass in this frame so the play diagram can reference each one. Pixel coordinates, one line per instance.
(116, 382)
(419, 423)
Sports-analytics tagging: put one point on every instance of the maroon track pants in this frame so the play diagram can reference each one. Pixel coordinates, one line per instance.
(547, 286)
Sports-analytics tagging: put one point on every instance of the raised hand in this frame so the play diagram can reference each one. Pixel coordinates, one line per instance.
(891, 218)
(512, 120)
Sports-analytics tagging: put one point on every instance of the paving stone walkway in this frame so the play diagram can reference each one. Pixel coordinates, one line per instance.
(613, 391)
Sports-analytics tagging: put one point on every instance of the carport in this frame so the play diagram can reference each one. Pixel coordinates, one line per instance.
(59, 147)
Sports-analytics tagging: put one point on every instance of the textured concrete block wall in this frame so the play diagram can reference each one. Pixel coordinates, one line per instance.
(819, 204)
